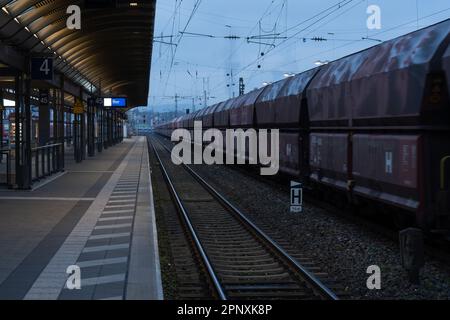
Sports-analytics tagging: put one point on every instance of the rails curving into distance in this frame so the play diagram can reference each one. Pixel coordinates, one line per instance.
(242, 262)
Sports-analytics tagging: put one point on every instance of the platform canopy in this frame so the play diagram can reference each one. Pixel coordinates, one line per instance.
(112, 50)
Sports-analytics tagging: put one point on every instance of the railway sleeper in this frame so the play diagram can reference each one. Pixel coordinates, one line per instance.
(228, 260)
(237, 251)
(272, 294)
(274, 271)
(226, 265)
(257, 278)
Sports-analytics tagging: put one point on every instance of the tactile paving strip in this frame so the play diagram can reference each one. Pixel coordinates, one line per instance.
(104, 259)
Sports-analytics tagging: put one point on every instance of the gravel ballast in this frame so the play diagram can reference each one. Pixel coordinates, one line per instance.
(340, 247)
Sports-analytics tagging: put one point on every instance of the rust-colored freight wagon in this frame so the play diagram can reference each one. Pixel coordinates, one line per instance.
(446, 67)
(282, 105)
(222, 117)
(243, 109)
(222, 114)
(208, 117)
(380, 124)
(374, 125)
(291, 116)
(242, 112)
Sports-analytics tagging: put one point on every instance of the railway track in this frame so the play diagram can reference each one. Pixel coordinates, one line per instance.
(241, 261)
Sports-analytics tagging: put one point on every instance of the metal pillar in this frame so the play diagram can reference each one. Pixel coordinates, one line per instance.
(115, 127)
(54, 116)
(90, 128)
(110, 128)
(110, 125)
(2, 108)
(100, 129)
(105, 129)
(82, 130)
(61, 124)
(75, 137)
(119, 127)
(44, 118)
(122, 127)
(78, 137)
(83, 136)
(23, 132)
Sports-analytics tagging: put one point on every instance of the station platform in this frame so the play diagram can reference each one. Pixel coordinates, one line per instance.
(97, 215)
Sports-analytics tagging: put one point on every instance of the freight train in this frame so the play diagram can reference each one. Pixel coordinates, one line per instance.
(373, 127)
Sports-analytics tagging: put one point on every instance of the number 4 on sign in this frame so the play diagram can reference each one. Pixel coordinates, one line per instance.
(44, 67)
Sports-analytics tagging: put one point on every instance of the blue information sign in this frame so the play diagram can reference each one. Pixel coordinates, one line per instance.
(115, 102)
(119, 102)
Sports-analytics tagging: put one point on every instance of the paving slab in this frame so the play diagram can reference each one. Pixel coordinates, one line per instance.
(77, 218)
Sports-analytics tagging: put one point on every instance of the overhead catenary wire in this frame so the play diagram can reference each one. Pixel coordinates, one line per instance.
(375, 34)
(265, 13)
(195, 8)
(320, 16)
(308, 35)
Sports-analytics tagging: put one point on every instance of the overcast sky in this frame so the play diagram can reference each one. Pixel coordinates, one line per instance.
(205, 63)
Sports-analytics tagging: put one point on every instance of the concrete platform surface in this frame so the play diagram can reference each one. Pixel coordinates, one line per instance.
(95, 220)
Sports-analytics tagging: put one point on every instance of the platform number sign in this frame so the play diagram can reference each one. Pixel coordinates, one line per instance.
(43, 97)
(42, 68)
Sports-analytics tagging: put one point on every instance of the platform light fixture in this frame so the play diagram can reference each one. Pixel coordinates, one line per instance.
(133, 4)
(5, 10)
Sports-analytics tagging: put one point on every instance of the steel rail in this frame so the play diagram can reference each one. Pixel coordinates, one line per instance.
(315, 284)
(204, 256)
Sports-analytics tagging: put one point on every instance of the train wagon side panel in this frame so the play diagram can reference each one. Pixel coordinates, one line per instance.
(222, 114)
(328, 159)
(385, 168)
(289, 99)
(243, 109)
(289, 153)
(208, 117)
(266, 105)
(436, 186)
(446, 67)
